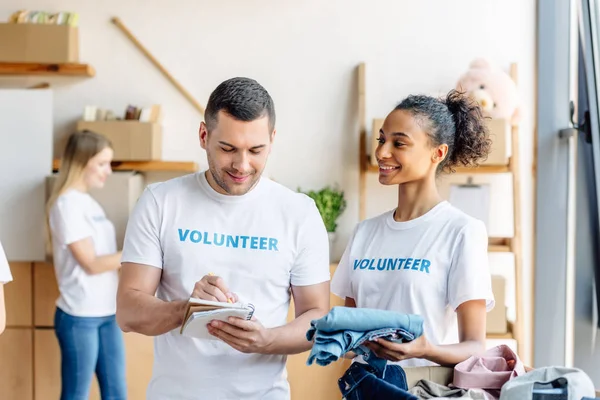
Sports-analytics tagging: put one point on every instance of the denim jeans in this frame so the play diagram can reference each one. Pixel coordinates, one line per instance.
(88, 345)
(363, 381)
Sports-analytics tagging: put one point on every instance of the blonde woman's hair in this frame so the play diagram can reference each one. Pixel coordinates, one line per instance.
(81, 147)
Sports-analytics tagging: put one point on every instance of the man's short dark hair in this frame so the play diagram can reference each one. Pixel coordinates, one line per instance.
(242, 98)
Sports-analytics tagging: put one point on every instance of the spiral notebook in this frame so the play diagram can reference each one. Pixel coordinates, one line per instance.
(200, 313)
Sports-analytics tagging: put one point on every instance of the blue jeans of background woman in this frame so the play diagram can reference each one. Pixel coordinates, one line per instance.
(90, 345)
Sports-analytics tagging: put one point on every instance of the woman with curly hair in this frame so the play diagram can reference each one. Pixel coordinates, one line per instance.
(424, 257)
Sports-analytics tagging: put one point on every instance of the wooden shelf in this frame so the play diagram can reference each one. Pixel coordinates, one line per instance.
(499, 336)
(147, 166)
(497, 248)
(24, 69)
(483, 169)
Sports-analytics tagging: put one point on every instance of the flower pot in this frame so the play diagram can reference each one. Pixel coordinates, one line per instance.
(332, 237)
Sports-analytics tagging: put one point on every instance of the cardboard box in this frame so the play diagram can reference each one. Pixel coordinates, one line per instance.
(132, 140)
(500, 132)
(45, 294)
(496, 318)
(118, 197)
(17, 296)
(39, 43)
(440, 375)
(16, 367)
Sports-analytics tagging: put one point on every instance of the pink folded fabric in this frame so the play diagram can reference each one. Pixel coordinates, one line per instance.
(489, 371)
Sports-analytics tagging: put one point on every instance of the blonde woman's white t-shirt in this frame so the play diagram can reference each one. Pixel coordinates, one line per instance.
(5, 275)
(76, 216)
(427, 266)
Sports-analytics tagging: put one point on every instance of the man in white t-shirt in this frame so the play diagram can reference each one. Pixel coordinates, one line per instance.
(5, 277)
(225, 233)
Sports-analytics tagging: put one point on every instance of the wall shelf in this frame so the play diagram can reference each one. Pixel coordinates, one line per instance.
(147, 166)
(26, 69)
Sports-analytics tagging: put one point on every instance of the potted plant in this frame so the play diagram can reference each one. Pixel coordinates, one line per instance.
(331, 203)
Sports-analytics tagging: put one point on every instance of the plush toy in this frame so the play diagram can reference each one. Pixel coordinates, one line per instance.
(493, 89)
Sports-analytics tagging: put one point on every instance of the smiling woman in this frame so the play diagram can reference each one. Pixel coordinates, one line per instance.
(424, 257)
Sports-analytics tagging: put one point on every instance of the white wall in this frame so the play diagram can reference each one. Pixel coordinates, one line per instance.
(304, 53)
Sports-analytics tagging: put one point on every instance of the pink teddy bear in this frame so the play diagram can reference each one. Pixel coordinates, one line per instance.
(493, 89)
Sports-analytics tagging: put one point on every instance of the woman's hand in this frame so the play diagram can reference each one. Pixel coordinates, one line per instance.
(418, 348)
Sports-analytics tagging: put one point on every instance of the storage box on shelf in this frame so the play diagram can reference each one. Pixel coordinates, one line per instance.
(39, 43)
(132, 140)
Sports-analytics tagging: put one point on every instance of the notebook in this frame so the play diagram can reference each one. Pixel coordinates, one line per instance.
(200, 313)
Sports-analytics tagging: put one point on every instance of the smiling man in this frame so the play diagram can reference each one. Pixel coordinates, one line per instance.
(225, 234)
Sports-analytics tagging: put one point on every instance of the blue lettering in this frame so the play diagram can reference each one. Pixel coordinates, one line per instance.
(416, 264)
(391, 263)
(381, 264)
(364, 264)
(425, 265)
(356, 262)
(217, 241)
(196, 236)
(183, 235)
(405, 264)
(371, 267)
(231, 242)
(273, 244)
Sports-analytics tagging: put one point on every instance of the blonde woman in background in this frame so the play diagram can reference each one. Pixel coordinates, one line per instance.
(5, 277)
(86, 264)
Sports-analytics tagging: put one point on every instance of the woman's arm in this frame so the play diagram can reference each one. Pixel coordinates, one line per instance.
(471, 329)
(85, 254)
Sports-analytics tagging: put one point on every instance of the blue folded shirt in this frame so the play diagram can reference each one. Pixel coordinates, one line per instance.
(346, 329)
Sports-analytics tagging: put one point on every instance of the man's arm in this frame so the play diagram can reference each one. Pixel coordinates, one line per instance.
(310, 302)
(138, 309)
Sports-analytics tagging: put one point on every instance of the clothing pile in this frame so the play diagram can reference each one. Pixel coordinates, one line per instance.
(346, 329)
(498, 374)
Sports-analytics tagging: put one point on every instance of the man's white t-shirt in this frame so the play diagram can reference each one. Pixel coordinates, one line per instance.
(260, 243)
(76, 216)
(5, 275)
(427, 266)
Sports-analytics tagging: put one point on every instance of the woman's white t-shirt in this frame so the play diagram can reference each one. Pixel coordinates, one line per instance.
(76, 216)
(427, 266)
(5, 275)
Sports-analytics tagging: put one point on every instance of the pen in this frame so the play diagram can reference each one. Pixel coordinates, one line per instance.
(228, 298)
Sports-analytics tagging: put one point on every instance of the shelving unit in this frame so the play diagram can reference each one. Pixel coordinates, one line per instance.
(147, 166)
(506, 244)
(32, 69)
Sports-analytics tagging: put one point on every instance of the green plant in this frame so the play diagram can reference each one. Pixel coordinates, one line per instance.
(330, 203)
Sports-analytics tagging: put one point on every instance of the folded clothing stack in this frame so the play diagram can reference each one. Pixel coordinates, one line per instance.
(346, 329)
